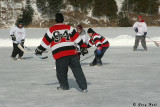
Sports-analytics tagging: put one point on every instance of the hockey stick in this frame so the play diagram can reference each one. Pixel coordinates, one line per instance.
(25, 51)
(86, 58)
(153, 41)
(36, 54)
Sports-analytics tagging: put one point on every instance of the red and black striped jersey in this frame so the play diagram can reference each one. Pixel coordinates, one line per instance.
(98, 40)
(61, 39)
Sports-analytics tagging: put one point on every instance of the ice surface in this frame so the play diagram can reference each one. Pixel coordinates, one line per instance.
(126, 77)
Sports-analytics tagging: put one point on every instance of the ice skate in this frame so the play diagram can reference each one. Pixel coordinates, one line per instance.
(19, 58)
(85, 91)
(92, 64)
(63, 89)
(13, 58)
(98, 64)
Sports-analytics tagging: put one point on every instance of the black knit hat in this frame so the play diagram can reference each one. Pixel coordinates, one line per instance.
(20, 22)
(59, 18)
(90, 30)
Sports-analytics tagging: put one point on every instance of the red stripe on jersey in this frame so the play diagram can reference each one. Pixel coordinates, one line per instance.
(64, 53)
(105, 45)
(102, 40)
(74, 37)
(84, 45)
(45, 41)
(97, 41)
(90, 41)
(59, 27)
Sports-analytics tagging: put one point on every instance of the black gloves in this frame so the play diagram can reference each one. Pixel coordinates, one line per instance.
(22, 42)
(39, 50)
(13, 37)
(84, 51)
(145, 33)
(136, 29)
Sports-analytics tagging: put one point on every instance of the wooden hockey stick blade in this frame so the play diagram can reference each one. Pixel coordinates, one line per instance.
(45, 57)
(22, 49)
(25, 51)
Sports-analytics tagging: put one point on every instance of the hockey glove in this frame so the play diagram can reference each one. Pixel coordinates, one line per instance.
(84, 51)
(13, 37)
(38, 51)
(145, 33)
(99, 50)
(136, 29)
(22, 42)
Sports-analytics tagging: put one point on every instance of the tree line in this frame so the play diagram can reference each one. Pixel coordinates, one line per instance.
(99, 8)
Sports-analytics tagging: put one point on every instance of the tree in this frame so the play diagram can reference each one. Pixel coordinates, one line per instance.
(49, 7)
(111, 8)
(27, 14)
(81, 4)
(105, 7)
(124, 21)
(141, 6)
(99, 8)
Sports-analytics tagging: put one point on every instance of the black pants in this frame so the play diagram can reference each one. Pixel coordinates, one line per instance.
(62, 70)
(98, 58)
(16, 51)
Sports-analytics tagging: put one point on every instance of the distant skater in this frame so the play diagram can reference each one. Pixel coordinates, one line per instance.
(140, 28)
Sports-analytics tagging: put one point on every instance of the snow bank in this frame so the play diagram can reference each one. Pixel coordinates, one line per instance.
(121, 40)
(28, 42)
(117, 36)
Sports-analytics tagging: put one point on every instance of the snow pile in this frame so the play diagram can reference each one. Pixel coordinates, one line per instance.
(121, 40)
(117, 36)
(28, 42)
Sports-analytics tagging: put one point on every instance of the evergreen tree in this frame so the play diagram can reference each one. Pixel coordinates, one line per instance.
(54, 7)
(81, 4)
(99, 8)
(42, 6)
(124, 20)
(111, 8)
(141, 6)
(49, 7)
(105, 7)
(153, 7)
(27, 14)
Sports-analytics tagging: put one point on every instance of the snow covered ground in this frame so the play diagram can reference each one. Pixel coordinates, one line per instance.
(126, 79)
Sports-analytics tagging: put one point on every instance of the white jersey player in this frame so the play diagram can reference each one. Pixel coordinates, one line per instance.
(18, 35)
(140, 28)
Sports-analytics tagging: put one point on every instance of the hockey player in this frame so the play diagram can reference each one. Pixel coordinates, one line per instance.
(101, 43)
(61, 39)
(140, 28)
(18, 35)
(85, 39)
